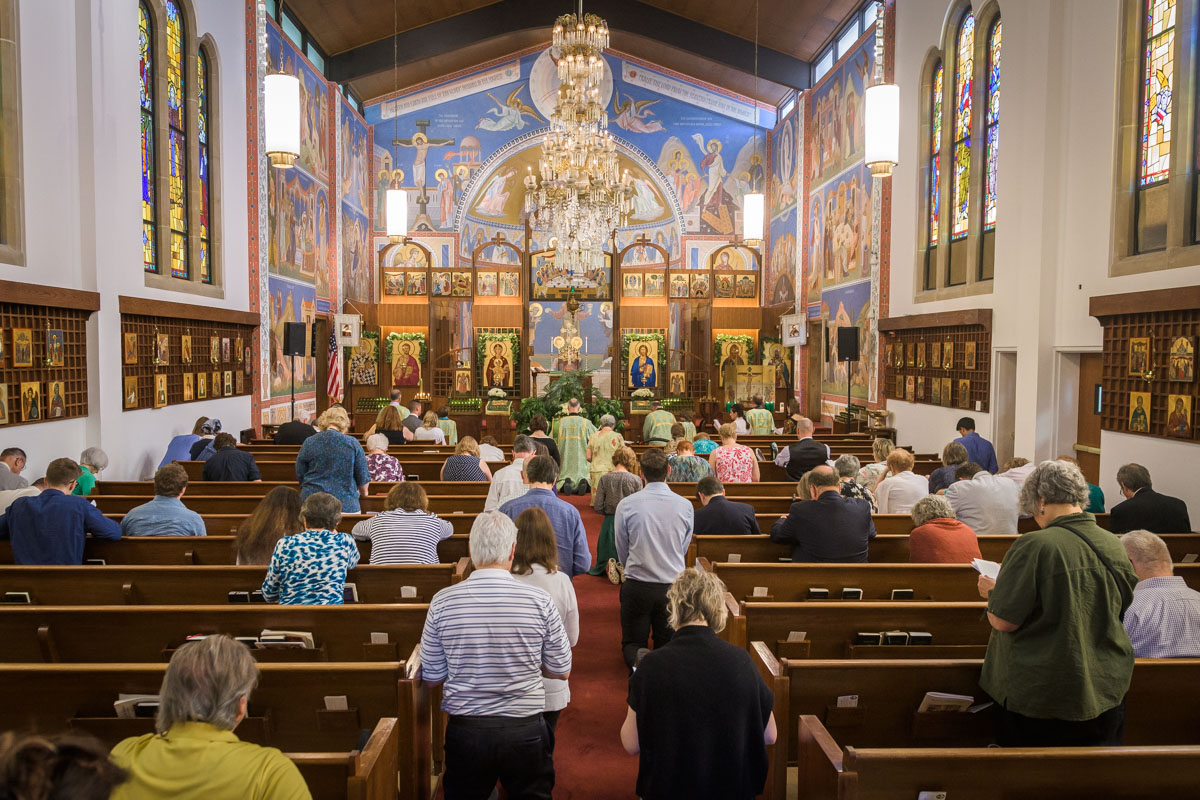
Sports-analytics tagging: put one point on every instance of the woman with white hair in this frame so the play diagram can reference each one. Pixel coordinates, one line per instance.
(331, 461)
(92, 462)
(847, 467)
(194, 751)
(381, 466)
(1059, 661)
(600, 449)
(937, 536)
(698, 694)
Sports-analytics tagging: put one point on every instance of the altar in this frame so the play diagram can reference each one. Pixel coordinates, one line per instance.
(601, 381)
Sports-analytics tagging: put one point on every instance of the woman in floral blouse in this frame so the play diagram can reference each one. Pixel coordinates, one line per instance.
(309, 568)
(380, 465)
(687, 466)
(733, 462)
(847, 467)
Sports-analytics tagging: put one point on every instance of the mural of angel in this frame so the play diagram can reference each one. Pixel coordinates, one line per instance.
(633, 115)
(510, 115)
(495, 196)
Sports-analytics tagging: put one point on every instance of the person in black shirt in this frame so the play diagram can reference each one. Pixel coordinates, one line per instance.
(230, 464)
(1145, 508)
(699, 714)
(294, 432)
(829, 527)
(720, 517)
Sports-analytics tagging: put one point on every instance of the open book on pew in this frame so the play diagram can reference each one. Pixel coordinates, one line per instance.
(133, 706)
(270, 639)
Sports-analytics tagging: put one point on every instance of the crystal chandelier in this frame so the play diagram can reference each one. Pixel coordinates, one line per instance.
(579, 193)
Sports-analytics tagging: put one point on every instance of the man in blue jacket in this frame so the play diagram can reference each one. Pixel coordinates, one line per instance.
(979, 449)
(50, 528)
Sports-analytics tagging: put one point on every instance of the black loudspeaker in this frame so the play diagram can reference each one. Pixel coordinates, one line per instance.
(847, 344)
(294, 341)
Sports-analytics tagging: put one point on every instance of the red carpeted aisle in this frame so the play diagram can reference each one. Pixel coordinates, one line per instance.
(588, 757)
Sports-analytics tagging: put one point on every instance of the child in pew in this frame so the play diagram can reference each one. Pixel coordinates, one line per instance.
(309, 568)
(69, 765)
(194, 752)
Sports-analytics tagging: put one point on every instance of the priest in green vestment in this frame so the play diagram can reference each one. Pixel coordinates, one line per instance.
(761, 421)
(657, 427)
(571, 434)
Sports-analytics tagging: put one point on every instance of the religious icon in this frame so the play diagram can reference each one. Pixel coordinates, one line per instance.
(679, 285)
(899, 387)
(724, 285)
(225, 351)
(215, 384)
(462, 284)
(1183, 359)
(162, 349)
(201, 385)
(228, 383)
(416, 284)
(920, 387)
(214, 349)
(746, 286)
(731, 353)
(632, 285)
(643, 373)
(406, 370)
(31, 401)
(910, 358)
(189, 387)
(498, 367)
(509, 286)
(700, 285)
(935, 354)
(131, 398)
(462, 382)
(486, 284)
(241, 383)
(57, 402)
(237, 348)
(1179, 421)
(655, 284)
(969, 355)
(54, 347)
(22, 348)
(3, 404)
(910, 389)
(948, 355)
(964, 393)
(1139, 412)
(364, 361)
(393, 284)
(899, 355)
(246, 360)
(130, 347)
(780, 357)
(185, 349)
(441, 284)
(677, 384)
(160, 390)
(920, 355)
(946, 398)
(935, 391)
(1139, 355)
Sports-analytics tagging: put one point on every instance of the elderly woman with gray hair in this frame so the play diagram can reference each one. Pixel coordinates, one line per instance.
(380, 465)
(600, 449)
(937, 536)
(309, 568)
(847, 467)
(1059, 661)
(194, 751)
(92, 462)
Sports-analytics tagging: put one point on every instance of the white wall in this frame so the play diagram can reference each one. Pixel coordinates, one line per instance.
(80, 134)
(1057, 145)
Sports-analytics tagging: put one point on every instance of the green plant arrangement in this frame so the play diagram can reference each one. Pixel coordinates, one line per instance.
(601, 406)
(747, 343)
(465, 405)
(395, 337)
(550, 405)
(633, 338)
(482, 340)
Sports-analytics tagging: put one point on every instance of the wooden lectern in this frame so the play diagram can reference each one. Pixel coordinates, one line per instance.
(743, 382)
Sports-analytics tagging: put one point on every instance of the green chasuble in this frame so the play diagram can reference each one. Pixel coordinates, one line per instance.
(761, 422)
(572, 433)
(689, 430)
(657, 426)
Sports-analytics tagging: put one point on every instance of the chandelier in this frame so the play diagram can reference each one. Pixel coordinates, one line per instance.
(579, 193)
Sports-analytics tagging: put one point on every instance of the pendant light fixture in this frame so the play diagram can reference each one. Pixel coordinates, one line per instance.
(281, 112)
(396, 209)
(754, 202)
(881, 115)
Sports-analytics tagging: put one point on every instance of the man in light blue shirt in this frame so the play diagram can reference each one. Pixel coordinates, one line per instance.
(979, 449)
(1163, 621)
(574, 557)
(165, 515)
(653, 528)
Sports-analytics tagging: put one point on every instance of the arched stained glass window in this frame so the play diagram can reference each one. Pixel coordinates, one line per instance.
(992, 122)
(149, 187)
(935, 150)
(964, 68)
(202, 121)
(1158, 67)
(177, 125)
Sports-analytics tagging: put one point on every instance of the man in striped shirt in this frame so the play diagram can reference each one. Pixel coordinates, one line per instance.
(488, 641)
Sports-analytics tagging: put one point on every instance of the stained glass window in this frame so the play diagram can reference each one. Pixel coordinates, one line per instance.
(964, 68)
(176, 120)
(202, 122)
(149, 189)
(992, 123)
(935, 151)
(1159, 68)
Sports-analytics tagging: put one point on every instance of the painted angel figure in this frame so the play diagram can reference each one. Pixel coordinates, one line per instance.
(632, 115)
(1162, 103)
(510, 115)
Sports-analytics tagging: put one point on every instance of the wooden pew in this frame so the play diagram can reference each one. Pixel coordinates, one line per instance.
(1114, 773)
(205, 585)
(244, 505)
(227, 524)
(369, 774)
(788, 583)
(425, 469)
(251, 489)
(287, 710)
(213, 550)
(100, 634)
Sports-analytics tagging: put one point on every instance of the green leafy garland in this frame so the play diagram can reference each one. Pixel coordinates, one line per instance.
(747, 343)
(409, 336)
(631, 338)
(482, 340)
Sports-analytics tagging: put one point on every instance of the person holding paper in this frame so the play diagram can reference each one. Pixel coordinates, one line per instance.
(1059, 661)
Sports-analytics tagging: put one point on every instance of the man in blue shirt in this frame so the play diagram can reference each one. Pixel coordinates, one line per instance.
(574, 558)
(979, 449)
(50, 529)
(165, 515)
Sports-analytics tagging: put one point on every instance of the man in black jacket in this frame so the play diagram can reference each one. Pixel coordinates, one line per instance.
(718, 516)
(294, 432)
(805, 454)
(1145, 508)
(828, 528)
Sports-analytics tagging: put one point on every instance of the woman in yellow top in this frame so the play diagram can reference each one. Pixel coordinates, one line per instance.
(194, 753)
(600, 449)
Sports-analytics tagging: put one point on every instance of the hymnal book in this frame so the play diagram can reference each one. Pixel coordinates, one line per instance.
(984, 567)
(284, 639)
(940, 701)
(902, 594)
(18, 597)
(818, 593)
(132, 706)
(847, 701)
(864, 637)
(350, 593)
(895, 637)
(852, 593)
(796, 636)
(1189, 558)
(920, 637)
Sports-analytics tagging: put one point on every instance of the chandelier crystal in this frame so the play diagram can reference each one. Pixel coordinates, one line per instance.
(579, 193)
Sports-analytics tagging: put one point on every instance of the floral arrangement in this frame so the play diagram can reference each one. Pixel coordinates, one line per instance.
(496, 393)
(643, 394)
(395, 337)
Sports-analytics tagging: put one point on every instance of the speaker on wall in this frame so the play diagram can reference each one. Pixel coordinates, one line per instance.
(295, 343)
(847, 344)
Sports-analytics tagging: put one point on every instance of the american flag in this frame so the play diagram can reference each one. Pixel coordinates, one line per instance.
(334, 387)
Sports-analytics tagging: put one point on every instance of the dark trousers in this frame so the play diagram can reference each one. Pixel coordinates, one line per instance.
(643, 609)
(512, 750)
(1018, 730)
(551, 718)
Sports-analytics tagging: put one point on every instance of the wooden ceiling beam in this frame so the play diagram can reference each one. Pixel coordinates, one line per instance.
(511, 16)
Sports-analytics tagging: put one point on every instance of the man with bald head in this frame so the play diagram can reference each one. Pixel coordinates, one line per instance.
(828, 528)
(805, 454)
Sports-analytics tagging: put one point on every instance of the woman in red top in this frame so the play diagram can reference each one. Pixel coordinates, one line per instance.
(937, 537)
(733, 462)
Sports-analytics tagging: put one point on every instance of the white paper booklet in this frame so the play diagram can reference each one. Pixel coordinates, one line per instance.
(985, 567)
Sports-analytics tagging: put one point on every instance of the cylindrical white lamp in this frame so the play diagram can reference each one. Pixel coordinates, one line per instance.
(753, 206)
(281, 105)
(881, 119)
(397, 215)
